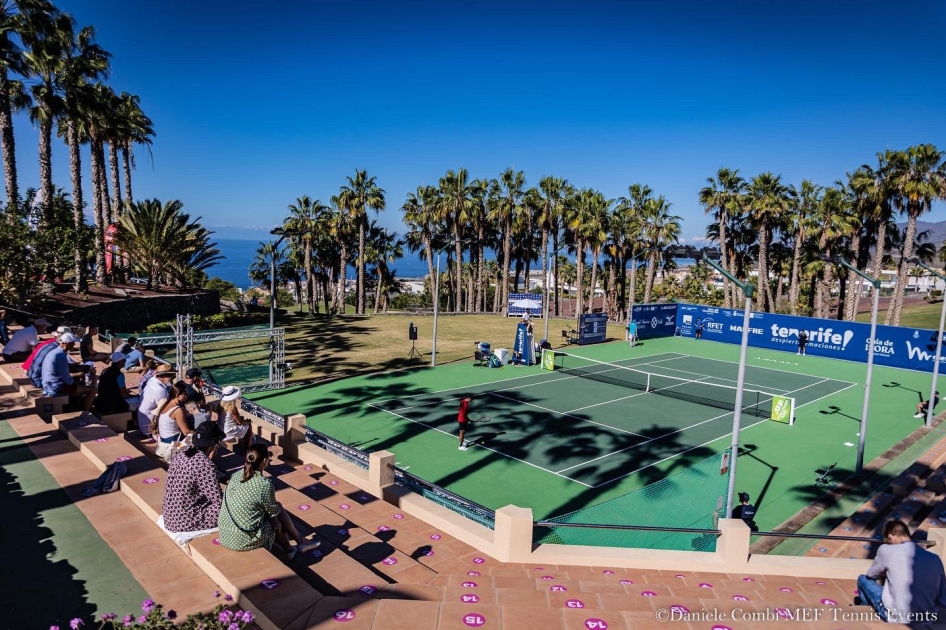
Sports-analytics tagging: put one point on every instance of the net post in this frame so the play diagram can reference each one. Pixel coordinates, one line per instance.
(648, 382)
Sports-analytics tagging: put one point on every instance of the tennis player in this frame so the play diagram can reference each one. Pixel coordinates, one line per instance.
(463, 419)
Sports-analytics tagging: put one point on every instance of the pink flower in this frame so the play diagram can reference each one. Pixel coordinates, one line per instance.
(248, 617)
(109, 616)
(216, 593)
(225, 616)
(53, 627)
(142, 619)
(233, 626)
(128, 620)
(228, 597)
(75, 623)
(147, 605)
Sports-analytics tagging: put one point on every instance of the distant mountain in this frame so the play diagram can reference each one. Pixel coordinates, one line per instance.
(937, 230)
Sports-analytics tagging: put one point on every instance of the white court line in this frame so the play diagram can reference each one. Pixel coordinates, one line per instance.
(696, 380)
(607, 402)
(480, 445)
(562, 413)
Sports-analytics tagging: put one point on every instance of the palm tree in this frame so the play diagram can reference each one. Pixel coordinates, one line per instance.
(768, 200)
(833, 220)
(342, 230)
(384, 247)
(456, 205)
(721, 197)
(506, 195)
(596, 234)
(631, 212)
(804, 202)
(268, 256)
(550, 195)
(420, 215)
(918, 181)
(138, 129)
(660, 229)
(356, 197)
(12, 21)
(304, 219)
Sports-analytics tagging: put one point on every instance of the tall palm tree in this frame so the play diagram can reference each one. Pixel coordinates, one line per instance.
(768, 200)
(596, 234)
(304, 218)
(506, 196)
(268, 256)
(832, 218)
(550, 195)
(420, 215)
(480, 225)
(12, 22)
(719, 197)
(456, 205)
(805, 200)
(356, 197)
(918, 181)
(384, 247)
(660, 229)
(138, 129)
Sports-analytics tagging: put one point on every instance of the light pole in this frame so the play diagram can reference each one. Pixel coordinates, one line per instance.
(875, 283)
(282, 234)
(748, 290)
(939, 341)
(433, 348)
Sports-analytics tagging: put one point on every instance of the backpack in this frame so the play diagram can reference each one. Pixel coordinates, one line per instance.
(108, 481)
(36, 367)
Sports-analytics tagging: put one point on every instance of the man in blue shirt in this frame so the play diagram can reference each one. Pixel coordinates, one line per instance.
(135, 358)
(57, 381)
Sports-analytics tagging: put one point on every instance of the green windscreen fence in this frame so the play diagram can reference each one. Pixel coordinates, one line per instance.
(691, 498)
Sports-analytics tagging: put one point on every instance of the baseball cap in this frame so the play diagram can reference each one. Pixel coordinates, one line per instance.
(39, 321)
(132, 341)
(68, 338)
(118, 356)
(192, 373)
(743, 496)
(207, 434)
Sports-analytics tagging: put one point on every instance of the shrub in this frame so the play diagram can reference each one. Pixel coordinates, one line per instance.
(155, 618)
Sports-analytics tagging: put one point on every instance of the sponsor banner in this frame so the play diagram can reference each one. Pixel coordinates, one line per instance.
(531, 302)
(523, 344)
(592, 328)
(548, 360)
(894, 346)
(783, 409)
(655, 320)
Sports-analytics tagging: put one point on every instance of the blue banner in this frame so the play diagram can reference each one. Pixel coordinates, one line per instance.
(655, 320)
(592, 328)
(520, 303)
(894, 346)
(523, 349)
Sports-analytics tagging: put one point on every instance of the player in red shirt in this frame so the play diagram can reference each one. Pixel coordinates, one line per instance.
(463, 419)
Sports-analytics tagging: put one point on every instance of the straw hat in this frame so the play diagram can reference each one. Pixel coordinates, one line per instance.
(230, 393)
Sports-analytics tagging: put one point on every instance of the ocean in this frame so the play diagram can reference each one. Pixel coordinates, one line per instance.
(239, 254)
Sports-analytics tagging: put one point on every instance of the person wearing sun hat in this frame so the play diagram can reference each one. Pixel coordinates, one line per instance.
(192, 495)
(153, 396)
(235, 426)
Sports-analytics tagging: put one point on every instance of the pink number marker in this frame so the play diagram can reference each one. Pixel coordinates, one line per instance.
(475, 620)
(333, 482)
(101, 440)
(469, 598)
(389, 561)
(626, 582)
(478, 560)
(398, 516)
(368, 589)
(596, 624)
(435, 536)
(344, 615)
(473, 573)
(270, 584)
(123, 458)
(469, 585)
(343, 506)
(557, 588)
(384, 528)
(574, 603)
(150, 480)
(305, 507)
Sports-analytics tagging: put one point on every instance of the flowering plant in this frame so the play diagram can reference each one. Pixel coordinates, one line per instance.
(154, 617)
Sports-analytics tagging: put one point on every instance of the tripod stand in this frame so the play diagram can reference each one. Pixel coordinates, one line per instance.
(414, 351)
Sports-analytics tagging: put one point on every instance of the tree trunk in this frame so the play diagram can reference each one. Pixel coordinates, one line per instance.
(507, 257)
(850, 293)
(377, 293)
(579, 277)
(481, 270)
(78, 218)
(107, 208)
(827, 283)
(45, 165)
(622, 297)
(116, 184)
(95, 167)
(633, 294)
(651, 275)
(126, 166)
(309, 277)
(763, 267)
(360, 310)
(458, 248)
(343, 267)
(723, 254)
(498, 293)
(612, 291)
(796, 270)
(7, 141)
(430, 263)
(555, 285)
(594, 278)
(913, 212)
(547, 295)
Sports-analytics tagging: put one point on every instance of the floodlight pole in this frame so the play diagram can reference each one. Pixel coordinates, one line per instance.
(939, 341)
(282, 234)
(433, 349)
(875, 283)
(748, 290)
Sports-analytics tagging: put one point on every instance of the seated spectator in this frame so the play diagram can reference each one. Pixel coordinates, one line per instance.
(136, 356)
(34, 355)
(56, 379)
(113, 394)
(87, 347)
(33, 366)
(193, 382)
(4, 333)
(915, 586)
(923, 408)
(172, 419)
(152, 399)
(151, 367)
(23, 341)
(251, 518)
(746, 511)
(192, 495)
(234, 425)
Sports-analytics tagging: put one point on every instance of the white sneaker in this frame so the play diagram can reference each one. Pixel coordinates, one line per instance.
(464, 447)
(918, 415)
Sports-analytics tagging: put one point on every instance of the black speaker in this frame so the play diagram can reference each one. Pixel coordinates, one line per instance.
(412, 332)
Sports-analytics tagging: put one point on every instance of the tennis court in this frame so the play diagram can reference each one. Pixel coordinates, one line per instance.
(594, 423)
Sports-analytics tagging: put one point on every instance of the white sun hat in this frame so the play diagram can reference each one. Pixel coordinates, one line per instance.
(230, 392)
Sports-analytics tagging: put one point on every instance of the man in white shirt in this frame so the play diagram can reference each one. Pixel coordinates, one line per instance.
(914, 590)
(155, 393)
(22, 342)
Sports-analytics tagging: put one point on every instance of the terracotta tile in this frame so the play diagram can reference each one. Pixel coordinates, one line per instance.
(416, 574)
(295, 607)
(500, 581)
(193, 593)
(581, 619)
(602, 587)
(359, 615)
(346, 575)
(168, 569)
(452, 616)
(206, 548)
(268, 586)
(238, 564)
(532, 618)
(395, 614)
(509, 596)
(578, 600)
(135, 533)
(442, 564)
(412, 591)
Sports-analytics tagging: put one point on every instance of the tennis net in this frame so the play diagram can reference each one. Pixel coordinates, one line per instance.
(754, 402)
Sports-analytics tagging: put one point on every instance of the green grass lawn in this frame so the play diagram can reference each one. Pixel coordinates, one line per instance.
(921, 316)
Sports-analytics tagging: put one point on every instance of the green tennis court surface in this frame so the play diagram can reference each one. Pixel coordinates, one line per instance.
(559, 443)
(595, 432)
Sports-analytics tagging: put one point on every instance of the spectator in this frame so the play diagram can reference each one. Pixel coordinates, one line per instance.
(192, 494)
(136, 356)
(4, 333)
(915, 586)
(113, 394)
(23, 341)
(746, 511)
(251, 518)
(802, 342)
(923, 407)
(152, 399)
(87, 347)
(151, 366)
(35, 354)
(234, 425)
(172, 419)
(56, 378)
(194, 383)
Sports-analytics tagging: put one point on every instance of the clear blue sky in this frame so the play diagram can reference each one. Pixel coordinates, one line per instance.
(258, 103)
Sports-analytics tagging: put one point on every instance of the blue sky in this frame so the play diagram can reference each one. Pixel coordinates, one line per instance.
(256, 104)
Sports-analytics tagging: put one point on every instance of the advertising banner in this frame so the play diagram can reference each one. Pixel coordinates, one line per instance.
(592, 328)
(655, 320)
(523, 345)
(783, 409)
(894, 346)
(110, 248)
(520, 303)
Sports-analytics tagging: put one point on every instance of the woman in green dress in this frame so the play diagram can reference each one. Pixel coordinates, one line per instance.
(251, 517)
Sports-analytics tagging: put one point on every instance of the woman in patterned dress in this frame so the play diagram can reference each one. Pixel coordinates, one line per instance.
(192, 494)
(251, 517)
